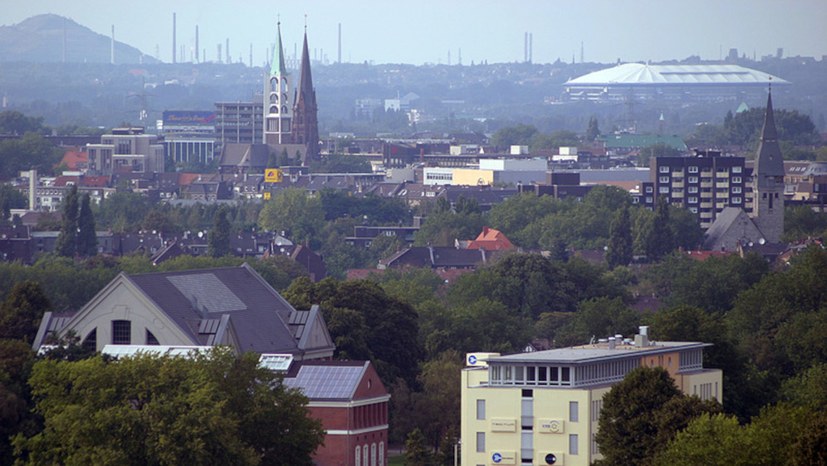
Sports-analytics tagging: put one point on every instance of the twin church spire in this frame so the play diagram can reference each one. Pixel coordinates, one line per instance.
(290, 115)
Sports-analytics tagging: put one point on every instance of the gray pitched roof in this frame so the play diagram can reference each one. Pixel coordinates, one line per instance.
(724, 222)
(326, 380)
(258, 314)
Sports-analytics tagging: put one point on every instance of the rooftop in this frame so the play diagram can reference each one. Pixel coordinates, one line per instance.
(594, 352)
(639, 74)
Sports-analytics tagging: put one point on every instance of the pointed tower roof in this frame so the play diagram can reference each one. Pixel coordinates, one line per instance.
(306, 83)
(277, 64)
(768, 161)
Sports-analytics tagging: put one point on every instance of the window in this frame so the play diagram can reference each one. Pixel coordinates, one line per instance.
(693, 179)
(480, 410)
(663, 179)
(736, 169)
(573, 444)
(736, 200)
(91, 340)
(663, 169)
(692, 189)
(573, 408)
(736, 190)
(150, 338)
(381, 453)
(663, 190)
(736, 179)
(121, 332)
(372, 454)
(480, 442)
(365, 454)
(693, 169)
(649, 189)
(693, 200)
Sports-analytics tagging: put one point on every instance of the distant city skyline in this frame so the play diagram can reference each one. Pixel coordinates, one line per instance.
(429, 31)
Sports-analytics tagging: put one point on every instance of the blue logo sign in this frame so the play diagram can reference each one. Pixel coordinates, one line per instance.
(496, 457)
(472, 359)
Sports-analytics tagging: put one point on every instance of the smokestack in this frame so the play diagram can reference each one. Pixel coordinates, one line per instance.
(582, 59)
(32, 189)
(642, 338)
(530, 47)
(112, 47)
(197, 58)
(174, 44)
(227, 51)
(525, 47)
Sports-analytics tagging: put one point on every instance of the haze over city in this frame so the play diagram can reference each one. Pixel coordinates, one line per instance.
(430, 31)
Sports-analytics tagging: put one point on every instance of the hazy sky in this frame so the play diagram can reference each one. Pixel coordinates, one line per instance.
(424, 31)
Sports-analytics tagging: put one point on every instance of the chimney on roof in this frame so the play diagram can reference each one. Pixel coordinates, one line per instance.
(612, 343)
(642, 338)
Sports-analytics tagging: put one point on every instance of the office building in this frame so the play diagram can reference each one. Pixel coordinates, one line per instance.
(126, 150)
(543, 407)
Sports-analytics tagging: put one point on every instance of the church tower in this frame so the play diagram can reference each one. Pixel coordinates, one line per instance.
(768, 181)
(278, 111)
(305, 124)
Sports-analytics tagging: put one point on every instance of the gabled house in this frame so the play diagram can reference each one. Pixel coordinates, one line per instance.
(434, 257)
(491, 240)
(231, 306)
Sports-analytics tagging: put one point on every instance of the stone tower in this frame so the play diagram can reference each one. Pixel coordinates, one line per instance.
(768, 181)
(278, 110)
(305, 123)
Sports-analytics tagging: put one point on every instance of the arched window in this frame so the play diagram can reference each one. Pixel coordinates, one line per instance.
(284, 109)
(372, 454)
(274, 109)
(274, 98)
(365, 454)
(150, 338)
(274, 84)
(381, 453)
(357, 458)
(91, 340)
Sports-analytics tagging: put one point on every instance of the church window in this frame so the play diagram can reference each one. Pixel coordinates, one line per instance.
(284, 109)
(121, 332)
(274, 84)
(91, 340)
(150, 338)
(274, 98)
(274, 109)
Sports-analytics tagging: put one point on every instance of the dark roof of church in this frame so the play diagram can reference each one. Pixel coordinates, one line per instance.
(258, 314)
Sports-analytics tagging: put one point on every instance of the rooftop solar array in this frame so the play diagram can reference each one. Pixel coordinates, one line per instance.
(275, 362)
(207, 291)
(326, 382)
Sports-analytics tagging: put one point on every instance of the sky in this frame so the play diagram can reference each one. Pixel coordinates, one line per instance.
(438, 31)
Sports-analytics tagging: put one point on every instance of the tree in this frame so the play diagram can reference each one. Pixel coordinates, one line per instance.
(22, 310)
(659, 240)
(218, 238)
(620, 250)
(593, 131)
(16, 123)
(513, 135)
(294, 212)
(67, 241)
(416, 450)
(641, 413)
(10, 198)
(203, 409)
(87, 240)
(16, 359)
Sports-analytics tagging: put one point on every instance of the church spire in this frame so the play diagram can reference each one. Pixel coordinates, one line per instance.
(277, 65)
(768, 161)
(305, 123)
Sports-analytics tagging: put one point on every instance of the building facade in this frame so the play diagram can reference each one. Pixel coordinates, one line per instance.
(126, 150)
(704, 184)
(543, 407)
(239, 122)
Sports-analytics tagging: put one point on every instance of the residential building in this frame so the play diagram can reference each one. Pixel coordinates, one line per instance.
(239, 122)
(230, 306)
(126, 150)
(543, 407)
(704, 184)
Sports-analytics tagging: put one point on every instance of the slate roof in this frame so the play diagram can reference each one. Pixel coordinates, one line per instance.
(245, 155)
(725, 220)
(258, 313)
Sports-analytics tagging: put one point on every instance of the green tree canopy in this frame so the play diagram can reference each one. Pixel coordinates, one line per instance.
(293, 211)
(67, 240)
(218, 238)
(87, 240)
(22, 310)
(204, 409)
(621, 245)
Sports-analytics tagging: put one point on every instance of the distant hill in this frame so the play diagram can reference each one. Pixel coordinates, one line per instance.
(40, 39)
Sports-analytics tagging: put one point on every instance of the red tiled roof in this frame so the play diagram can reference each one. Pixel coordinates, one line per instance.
(74, 159)
(185, 179)
(491, 240)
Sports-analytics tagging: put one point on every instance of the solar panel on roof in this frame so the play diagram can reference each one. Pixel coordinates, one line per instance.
(207, 291)
(327, 382)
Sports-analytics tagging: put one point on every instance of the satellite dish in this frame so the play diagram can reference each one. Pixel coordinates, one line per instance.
(200, 234)
(762, 241)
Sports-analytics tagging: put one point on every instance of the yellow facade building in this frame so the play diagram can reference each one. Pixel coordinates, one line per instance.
(543, 407)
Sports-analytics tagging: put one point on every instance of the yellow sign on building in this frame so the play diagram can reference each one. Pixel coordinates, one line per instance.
(266, 195)
(272, 175)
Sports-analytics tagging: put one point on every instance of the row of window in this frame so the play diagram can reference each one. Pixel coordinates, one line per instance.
(527, 450)
(121, 335)
(694, 169)
(364, 457)
(529, 375)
